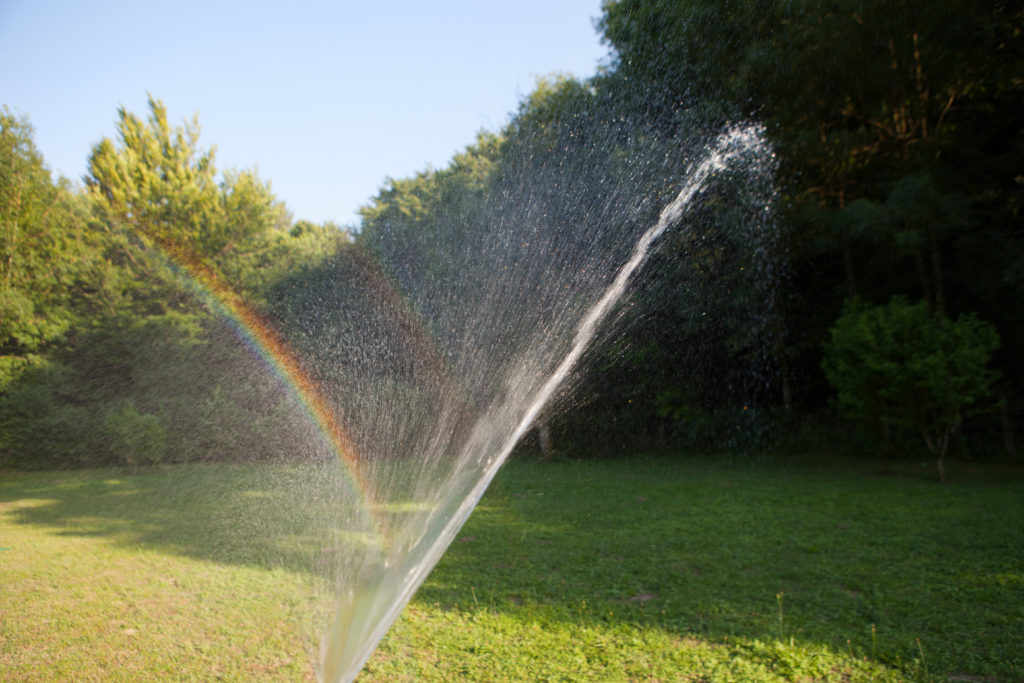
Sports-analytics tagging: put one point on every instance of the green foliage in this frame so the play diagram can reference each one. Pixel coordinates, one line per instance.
(44, 253)
(137, 438)
(552, 118)
(142, 357)
(159, 182)
(900, 365)
(40, 427)
(226, 428)
(110, 343)
(898, 142)
(418, 226)
(845, 83)
(429, 192)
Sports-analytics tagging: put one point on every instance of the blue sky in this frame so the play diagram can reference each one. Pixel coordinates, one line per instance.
(325, 99)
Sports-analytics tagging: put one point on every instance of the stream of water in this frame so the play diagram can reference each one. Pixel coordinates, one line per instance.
(386, 578)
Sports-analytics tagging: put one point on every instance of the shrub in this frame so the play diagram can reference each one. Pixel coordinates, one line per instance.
(902, 366)
(39, 428)
(136, 437)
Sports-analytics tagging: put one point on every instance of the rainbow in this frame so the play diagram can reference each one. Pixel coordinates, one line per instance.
(268, 344)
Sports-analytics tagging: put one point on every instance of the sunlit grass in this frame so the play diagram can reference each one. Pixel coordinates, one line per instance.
(708, 570)
(78, 605)
(608, 570)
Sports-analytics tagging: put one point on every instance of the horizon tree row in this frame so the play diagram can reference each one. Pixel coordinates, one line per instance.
(897, 136)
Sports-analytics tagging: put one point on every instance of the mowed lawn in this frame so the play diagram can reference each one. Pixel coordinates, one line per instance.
(705, 569)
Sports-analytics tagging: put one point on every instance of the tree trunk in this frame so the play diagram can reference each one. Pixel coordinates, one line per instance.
(922, 274)
(943, 446)
(780, 357)
(779, 350)
(940, 295)
(938, 447)
(851, 283)
(885, 447)
(1008, 440)
(851, 286)
(544, 438)
(786, 390)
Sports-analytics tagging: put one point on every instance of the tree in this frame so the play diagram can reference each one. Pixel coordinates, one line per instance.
(901, 365)
(110, 342)
(899, 135)
(46, 255)
(413, 223)
(845, 84)
(157, 181)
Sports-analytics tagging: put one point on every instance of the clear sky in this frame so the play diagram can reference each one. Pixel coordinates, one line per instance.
(326, 99)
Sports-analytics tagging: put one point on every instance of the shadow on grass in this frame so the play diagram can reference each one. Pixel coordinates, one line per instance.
(827, 556)
(262, 516)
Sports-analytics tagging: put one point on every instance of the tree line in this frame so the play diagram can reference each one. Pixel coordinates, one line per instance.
(871, 303)
(110, 350)
(899, 131)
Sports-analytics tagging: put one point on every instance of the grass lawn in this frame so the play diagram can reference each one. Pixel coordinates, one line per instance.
(682, 570)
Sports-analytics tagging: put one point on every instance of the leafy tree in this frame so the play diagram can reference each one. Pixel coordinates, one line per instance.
(900, 365)
(898, 132)
(110, 345)
(40, 426)
(45, 254)
(157, 180)
(413, 223)
(160, 185)
(560, 196)
(845, 85)
(269, 246)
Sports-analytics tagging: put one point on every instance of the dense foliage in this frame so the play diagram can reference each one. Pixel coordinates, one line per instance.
(898, 132)
(900, 365)
(111, 345)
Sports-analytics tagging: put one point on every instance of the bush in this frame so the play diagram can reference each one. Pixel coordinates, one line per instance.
(901, 366)
(136, 437)
(39, 428)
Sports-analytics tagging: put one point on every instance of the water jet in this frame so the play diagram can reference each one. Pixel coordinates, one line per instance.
(455, 364)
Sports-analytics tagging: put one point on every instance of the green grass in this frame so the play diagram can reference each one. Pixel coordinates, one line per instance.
(684, 570)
